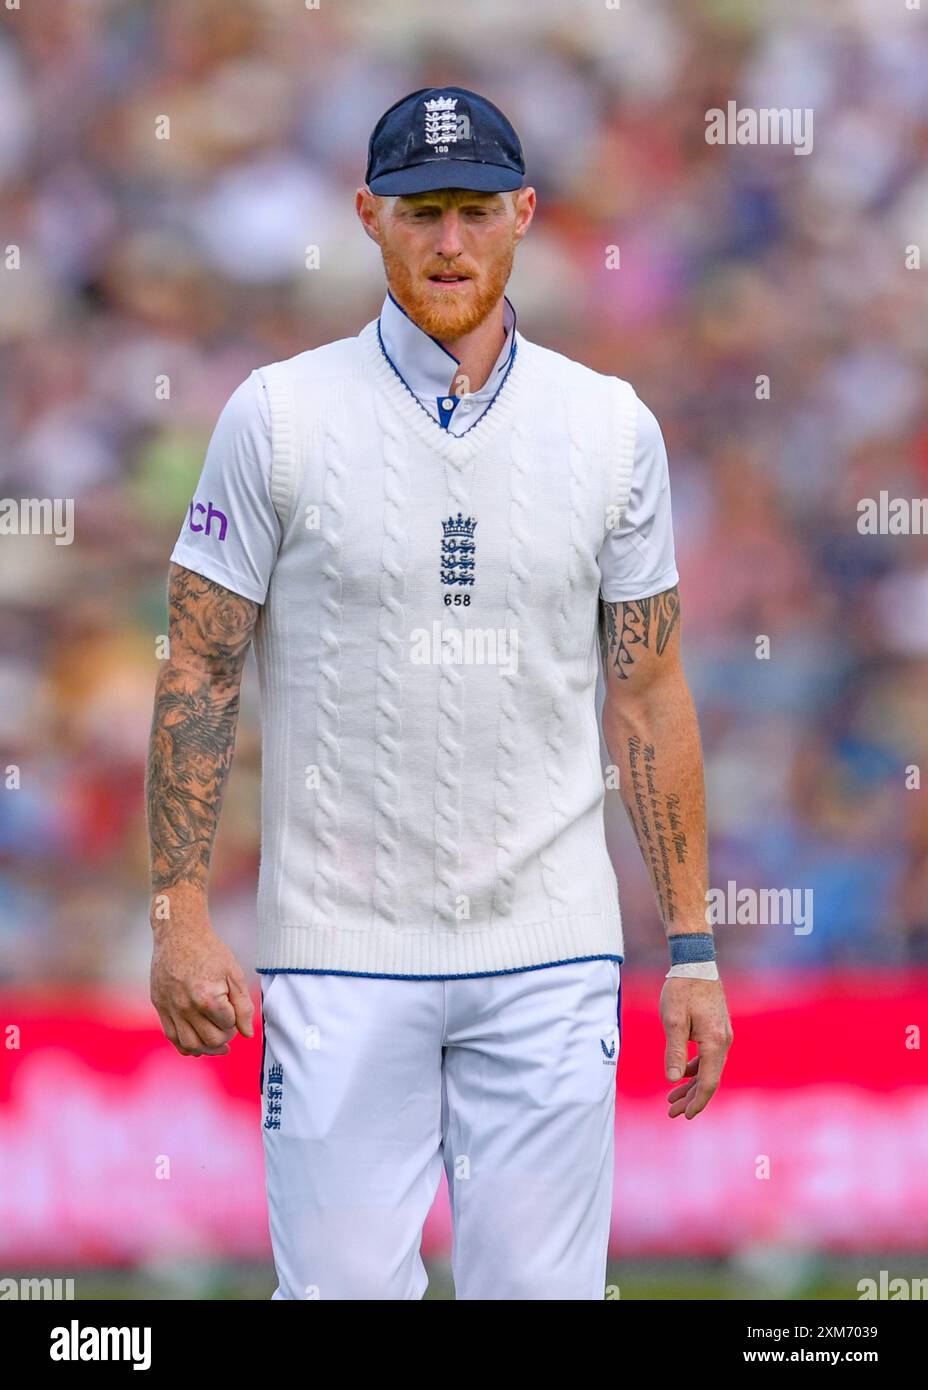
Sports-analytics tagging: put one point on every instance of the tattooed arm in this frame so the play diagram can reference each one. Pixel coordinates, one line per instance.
(653, 739)
(197, 986)
(652, 736)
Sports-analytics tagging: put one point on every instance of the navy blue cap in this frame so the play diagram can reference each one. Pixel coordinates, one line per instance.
(443, 137)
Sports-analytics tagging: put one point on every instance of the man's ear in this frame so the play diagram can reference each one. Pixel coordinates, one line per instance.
(366, 208)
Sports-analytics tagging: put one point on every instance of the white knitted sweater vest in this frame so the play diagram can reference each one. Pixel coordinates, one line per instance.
(432, 793)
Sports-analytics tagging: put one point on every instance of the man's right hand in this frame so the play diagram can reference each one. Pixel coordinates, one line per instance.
(198, 988)
(197, 985)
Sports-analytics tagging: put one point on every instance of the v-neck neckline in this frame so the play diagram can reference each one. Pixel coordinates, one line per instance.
(454, 448)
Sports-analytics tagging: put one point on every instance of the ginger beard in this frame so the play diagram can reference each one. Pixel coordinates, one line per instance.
(441, 313)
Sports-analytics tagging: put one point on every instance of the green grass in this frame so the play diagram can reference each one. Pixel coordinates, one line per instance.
(759, 1273)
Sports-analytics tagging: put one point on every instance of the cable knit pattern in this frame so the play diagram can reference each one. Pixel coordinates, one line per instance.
(625, 426)
(329, 697)
(506, 824)
(388, 712)
(282, 443)
(274, 656)
(449, 753)
(437, 779)
(577, 483)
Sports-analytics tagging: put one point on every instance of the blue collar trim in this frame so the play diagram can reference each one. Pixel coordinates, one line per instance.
(508, 366)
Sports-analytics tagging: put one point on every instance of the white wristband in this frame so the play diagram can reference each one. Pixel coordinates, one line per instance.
(697, 970)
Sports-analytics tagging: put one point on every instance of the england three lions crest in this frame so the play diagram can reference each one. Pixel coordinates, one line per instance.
(458, 550)
(443, 125)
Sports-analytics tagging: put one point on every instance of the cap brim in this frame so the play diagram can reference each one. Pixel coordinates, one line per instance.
(448, 173)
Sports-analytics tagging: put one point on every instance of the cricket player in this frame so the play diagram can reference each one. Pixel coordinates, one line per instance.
(433, 532)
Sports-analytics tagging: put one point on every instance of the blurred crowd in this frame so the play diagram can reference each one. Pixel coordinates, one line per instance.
(144, 277)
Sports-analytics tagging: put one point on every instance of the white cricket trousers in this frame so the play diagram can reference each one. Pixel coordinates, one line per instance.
(369, 1085)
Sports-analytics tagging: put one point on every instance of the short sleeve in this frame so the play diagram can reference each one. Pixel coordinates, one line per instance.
(637, 557)
(231, 533)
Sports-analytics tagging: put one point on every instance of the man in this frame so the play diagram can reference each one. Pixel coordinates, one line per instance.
(415, 525)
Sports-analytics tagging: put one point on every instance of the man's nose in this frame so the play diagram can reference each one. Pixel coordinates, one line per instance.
(449, 242)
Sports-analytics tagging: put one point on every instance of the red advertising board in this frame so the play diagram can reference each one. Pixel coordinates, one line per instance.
(113, 1148)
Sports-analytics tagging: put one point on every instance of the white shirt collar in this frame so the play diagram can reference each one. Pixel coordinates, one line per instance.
(427, 368)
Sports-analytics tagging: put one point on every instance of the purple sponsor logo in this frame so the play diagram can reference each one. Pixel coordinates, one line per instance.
(212, 514)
